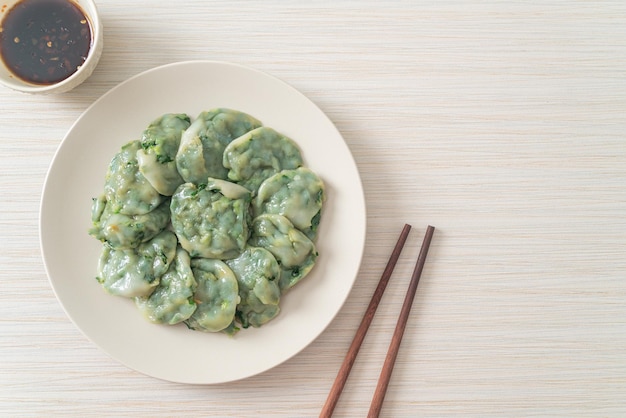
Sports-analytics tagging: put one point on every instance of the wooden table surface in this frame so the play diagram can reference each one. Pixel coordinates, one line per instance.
(503, 124)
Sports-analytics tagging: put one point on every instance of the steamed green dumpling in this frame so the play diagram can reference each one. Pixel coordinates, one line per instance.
(295, 252)
(157, 157)
(136, 271)
(258, 155)
(124, 231)
(126, 189)
(258, 274)
(202, 144)
(296, 194)
(211, 219)
(172, 300)
(216, 296)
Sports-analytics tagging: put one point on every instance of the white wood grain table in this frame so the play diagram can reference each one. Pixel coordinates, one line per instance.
(501, 123)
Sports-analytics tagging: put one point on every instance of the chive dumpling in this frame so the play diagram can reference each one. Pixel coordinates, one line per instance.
(295, 252)
(297, 194)
(136, 271)
(258, 274)
(216, 296)
(202, 144)
(259, 154)
(126, 189)
(159, 145)
(211, 219)
(171, 302)
(126, 231)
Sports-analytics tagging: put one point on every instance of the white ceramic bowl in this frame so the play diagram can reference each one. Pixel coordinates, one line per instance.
(90, 10)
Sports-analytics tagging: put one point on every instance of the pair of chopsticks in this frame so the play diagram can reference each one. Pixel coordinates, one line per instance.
(392, 353)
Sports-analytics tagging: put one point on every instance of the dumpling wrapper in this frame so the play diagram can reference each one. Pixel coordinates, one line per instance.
(202, 144)
(258, 155)
(125, 188)
(171, 302)
(296, 194)
(136, 271)
(216, 296)
(295, 252)
(126, 231)
(211, 220)
(258, 274)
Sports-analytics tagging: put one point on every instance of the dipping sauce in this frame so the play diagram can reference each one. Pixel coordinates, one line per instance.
(44, 41)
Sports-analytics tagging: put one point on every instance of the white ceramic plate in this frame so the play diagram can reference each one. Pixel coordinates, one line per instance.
(76, 175)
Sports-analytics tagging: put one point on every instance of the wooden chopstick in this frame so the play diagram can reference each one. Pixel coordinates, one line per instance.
(385, 375)
(346, 366)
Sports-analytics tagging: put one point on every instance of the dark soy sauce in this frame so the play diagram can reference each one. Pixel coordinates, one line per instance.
(44, 41)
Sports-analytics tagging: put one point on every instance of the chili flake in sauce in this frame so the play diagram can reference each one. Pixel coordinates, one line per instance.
(44, 41)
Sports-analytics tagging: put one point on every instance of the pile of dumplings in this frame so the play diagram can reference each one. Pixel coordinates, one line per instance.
(207, 221)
